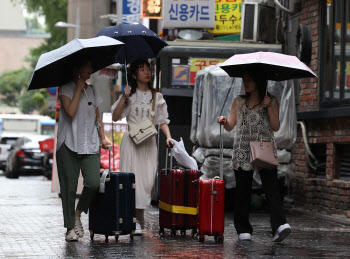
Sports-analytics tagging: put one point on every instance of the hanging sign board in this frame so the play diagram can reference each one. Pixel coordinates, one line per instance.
(188, 14)
(131, 11)
(152, 9)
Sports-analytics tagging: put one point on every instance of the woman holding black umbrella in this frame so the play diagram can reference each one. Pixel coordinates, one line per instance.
(136, 104)
(255, 114)
(79, 129)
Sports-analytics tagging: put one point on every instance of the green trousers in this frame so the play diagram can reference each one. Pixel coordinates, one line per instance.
(69, 164)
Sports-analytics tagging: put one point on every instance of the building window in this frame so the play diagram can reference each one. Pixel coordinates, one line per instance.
(335, 53)
(343, 161)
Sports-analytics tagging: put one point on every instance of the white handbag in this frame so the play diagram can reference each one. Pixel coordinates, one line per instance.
(145, 129)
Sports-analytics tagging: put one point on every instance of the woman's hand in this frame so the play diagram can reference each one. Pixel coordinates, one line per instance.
(222, 120)
(104, 143)
(168, 141)
(127, 91)
(267, 101)
(81, 84)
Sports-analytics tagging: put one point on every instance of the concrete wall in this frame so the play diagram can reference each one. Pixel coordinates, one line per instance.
(90, 25)
(14, 50)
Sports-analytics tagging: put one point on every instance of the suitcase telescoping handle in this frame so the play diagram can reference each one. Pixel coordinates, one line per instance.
(171, 157)
(105, 177)
(221, 153)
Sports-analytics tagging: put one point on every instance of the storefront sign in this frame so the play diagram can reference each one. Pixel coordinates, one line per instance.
(131, 11)
(227, 17)
(180, 75)
(152, 9)
(198, 64)
(189, 14)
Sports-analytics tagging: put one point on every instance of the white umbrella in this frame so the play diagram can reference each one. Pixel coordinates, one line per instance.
(274, 66)
(54, 67)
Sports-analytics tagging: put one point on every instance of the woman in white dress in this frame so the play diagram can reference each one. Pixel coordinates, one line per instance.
(136, 105)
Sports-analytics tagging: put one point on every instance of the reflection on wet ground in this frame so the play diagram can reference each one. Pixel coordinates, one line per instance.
(31, 226)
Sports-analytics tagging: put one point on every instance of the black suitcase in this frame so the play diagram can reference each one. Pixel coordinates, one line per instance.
(113, 212)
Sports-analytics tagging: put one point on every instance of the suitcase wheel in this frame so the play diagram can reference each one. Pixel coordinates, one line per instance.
(219, 239)
(116, 238)
(183, 232)
(194, 232)
(91, 235)
(173, 233)
(200, 238)
(131, 236)
(161, 232)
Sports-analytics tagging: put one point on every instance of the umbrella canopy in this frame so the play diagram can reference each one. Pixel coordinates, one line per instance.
(275, 66)
(140, 42)
(54, 69)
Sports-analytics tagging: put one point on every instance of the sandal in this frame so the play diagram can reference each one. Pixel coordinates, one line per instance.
(71, 236)
(78, 227)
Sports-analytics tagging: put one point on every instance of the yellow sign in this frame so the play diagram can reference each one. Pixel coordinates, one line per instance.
(227, 17)
(198, 64)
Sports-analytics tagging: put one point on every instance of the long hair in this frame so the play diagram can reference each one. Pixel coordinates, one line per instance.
(77, 63)
(259, 78)
(134, 69)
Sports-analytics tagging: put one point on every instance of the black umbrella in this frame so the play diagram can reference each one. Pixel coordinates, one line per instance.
(54, 69)
(140, 42)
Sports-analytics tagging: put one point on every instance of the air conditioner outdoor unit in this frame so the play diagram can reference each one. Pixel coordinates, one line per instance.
(258, 21)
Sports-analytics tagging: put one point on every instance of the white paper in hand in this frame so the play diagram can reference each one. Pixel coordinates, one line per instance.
(182, 157)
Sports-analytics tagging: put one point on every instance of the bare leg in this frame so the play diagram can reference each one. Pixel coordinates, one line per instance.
(140, 217)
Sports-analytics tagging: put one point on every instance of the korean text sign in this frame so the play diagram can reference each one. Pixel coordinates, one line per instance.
(131, 11)
(189, 13)
(152, 9)
(227, 17)
(198, 64)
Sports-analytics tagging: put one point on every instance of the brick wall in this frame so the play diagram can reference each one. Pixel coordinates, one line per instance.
(308, 87)
(327, 194)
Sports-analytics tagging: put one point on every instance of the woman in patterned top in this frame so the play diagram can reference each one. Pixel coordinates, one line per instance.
(263, 109)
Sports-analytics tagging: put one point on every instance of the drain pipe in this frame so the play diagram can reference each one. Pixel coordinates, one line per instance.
(283, 8)
(308, 150)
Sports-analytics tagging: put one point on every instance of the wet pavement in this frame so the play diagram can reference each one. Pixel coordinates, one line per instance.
(31, 227)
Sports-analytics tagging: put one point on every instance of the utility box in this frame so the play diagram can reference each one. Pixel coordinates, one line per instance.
(258, 21)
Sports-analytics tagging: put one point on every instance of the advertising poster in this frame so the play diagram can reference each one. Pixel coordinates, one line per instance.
(180, 75)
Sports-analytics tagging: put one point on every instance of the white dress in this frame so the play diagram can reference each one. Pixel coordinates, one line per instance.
(142, 159)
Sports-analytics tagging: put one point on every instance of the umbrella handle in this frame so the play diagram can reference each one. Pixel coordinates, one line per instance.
(126, 71)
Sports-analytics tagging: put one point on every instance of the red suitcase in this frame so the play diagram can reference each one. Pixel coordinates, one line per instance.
(212, 205)
(178, 199)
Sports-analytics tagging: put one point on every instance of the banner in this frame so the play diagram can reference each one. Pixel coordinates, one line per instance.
(188, 14)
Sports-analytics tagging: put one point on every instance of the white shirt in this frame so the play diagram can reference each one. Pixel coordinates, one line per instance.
(139, 96)
(80, 132)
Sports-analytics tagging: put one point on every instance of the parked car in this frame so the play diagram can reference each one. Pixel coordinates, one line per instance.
(25, 156)
(6, 141)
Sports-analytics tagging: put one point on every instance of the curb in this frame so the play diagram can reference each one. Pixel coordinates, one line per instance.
(337, 218)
